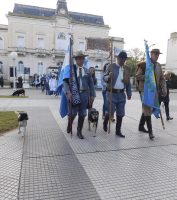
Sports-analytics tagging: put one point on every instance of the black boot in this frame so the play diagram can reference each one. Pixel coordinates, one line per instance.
(141, 124)
(167, 111)
(105, 122)
(70, 121)
(118, 127)
(169, 118)
(149, 126)
(80, 126)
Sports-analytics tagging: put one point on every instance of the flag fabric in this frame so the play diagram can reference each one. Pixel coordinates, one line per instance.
(86, 62)
(150, 96)
(65, 74)
(117, 51)
(65, 70)
(63, 105)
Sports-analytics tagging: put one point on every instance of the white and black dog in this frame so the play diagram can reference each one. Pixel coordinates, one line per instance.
(22, 121)
(19, 92)
(93, 116)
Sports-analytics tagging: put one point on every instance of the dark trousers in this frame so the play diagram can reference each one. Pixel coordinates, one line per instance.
(166, 104)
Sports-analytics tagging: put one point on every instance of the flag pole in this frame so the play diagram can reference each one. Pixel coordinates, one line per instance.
(70, 82)
(163, 125)
(162, 121)
(110, 92)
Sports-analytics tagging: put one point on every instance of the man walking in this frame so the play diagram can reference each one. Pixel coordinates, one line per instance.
(160, 86)
(86, 90)
(120, 83)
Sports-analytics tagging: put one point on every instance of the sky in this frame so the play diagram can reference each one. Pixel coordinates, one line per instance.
(134, 20)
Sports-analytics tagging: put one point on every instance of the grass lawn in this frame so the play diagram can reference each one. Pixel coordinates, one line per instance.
(6, 96)
(8, 121)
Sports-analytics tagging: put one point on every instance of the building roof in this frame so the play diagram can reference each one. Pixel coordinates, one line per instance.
(48, 12)
(87, 18)
(33, 10)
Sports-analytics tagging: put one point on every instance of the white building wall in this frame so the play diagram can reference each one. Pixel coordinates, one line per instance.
(31, 28)
(48, 29)
(171, 61)
(3, 51)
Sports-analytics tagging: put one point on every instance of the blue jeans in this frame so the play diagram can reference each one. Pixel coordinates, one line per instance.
(118, 103)
(104, 102)
(81, 109)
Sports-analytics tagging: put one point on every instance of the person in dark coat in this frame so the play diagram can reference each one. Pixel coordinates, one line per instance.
(160, 81)
(43, 80)
(92, 72)
(166, 99)
(2, 81)
(20, 82)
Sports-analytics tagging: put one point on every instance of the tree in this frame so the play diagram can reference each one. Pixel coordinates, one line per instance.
(134, 57)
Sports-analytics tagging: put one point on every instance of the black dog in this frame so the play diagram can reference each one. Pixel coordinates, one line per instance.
(19, 92)
(93, 116)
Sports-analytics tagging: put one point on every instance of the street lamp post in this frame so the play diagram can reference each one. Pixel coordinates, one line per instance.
(13, 56)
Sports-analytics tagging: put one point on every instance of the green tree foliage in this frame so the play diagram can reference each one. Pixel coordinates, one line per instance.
(134, 57)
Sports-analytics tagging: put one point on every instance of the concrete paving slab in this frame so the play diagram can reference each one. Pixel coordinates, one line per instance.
(56, 166)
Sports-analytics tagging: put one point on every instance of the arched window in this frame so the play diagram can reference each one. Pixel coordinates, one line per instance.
(40, 68)
(20, 68)
(1, 43)
(61, 43)
(1, 67)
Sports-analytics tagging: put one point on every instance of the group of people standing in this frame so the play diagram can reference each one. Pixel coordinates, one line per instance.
(47, 83)
(116, 90)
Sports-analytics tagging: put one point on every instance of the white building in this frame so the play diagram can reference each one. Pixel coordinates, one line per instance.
(171, 62)
(38, 35)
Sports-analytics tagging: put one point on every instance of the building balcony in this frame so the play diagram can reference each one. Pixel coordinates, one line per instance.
(58, 53)
(38, 52)
(41, 52)
(3, 51)
(21, 51)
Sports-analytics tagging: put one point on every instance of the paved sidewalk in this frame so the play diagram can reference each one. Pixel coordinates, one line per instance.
(49, 164)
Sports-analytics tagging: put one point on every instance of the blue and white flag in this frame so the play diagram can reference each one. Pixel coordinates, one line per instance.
(150, 97)
(65, 70)
(65, 73)
(86, 62)
(117, 51)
